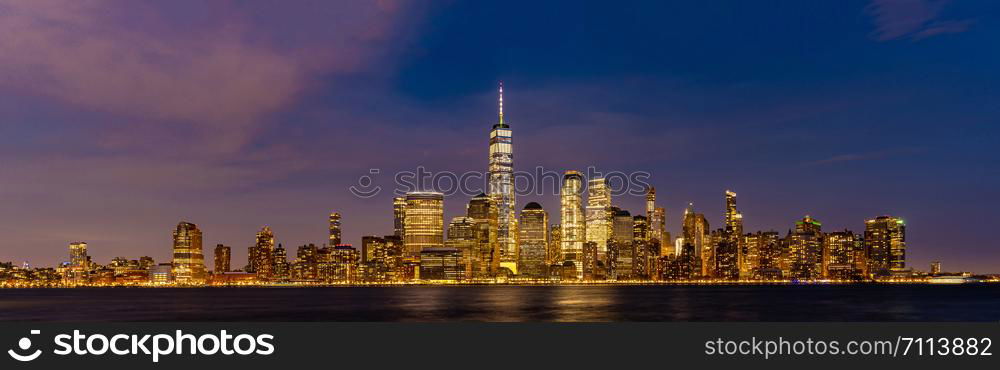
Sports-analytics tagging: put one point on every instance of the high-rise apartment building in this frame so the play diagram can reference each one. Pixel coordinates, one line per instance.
(79, 263)
(223, 258)
(885, 241)
(188, 258)
(334, 228)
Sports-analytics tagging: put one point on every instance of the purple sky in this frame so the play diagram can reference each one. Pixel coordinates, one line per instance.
(120, 118)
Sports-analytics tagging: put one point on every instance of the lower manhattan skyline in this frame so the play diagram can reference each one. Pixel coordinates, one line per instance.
(869, 108)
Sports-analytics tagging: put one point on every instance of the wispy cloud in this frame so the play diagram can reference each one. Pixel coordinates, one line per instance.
(913, 19)
(867, 156)
(135, 61)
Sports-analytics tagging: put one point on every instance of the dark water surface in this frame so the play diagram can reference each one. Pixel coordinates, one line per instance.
(510, 303)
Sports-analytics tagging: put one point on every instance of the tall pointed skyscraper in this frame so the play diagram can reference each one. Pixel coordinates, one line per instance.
(501, 172)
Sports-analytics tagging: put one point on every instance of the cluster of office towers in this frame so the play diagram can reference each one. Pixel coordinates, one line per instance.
(594, 241)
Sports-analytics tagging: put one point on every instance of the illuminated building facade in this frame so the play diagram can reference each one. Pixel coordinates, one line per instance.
(885, 241)
(553, 253)
(441, 264)
(534, 239)
(281, 267)
(305, 268)
(805, 250)
(342, 265)
(462, 236)
(598, 216)
(334, 228)
(260, 256)
(188, 260)
(424, 227)
(572, 220)
(79, 263)
(840, 256)
(621, 245)
(733, 237)
(657, 224)
(398, 215)
(696, 233)
(501, 188)
(486, 261)
(223, 258)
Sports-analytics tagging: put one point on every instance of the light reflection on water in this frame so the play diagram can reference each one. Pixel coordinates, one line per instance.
(510, 303)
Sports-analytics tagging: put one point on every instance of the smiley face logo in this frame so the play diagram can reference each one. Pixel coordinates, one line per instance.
(25, 344)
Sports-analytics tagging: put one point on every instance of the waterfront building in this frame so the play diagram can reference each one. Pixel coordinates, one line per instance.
(462, 236)
(161, 274)
(840, 254)
(658, 234)
(486, 259)
(305, 268)
(424, 226)
(342, 265)
(501, 188)
(573, 221)
(598, 216)
(223, 258)
(79, 263)
(443, 264)
(334, 228)
(935, 268)
(260, 257)
(534, 239)
(697, 233)
(553, 254)
(885, 241)
(764, 254)
(805, 250)
(398, 215)
(280, 270)
(188, 260)
(621, 245)
(733, 235)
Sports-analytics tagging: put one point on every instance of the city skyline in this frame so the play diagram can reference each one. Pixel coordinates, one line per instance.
(859, 113)
(597, 241)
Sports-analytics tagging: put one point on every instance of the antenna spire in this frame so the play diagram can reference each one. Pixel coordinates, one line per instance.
(501, 102)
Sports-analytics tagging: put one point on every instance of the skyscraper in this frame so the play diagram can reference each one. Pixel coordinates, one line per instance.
(424, 226)
(534, 229)
(598, 215)
(334, 228)
(840, 256)
(554, 251)
(805, 249)
(79, 263)
(462, 236)
(398, 214)
(188, 261)
(223, 257)
(657, 224)
(885, 241)
(696, 233)
(572, 219)
(733, 236)
(261, 256)
(501, 183)
(486, 259)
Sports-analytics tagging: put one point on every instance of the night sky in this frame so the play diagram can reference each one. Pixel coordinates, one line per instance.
(120, 118)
